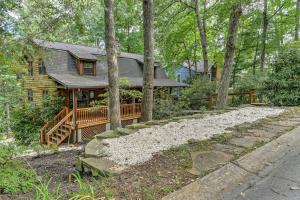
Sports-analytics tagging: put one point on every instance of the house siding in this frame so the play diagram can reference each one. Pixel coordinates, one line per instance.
(38, 83)
(184, 74)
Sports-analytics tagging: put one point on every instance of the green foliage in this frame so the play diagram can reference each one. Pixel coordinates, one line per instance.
(127, 93)
(28, 119)
(245, 83)
(147, 194)
(200, 88)
(282, 87)
(43, 193)
(86, 191)
(14, 178)
(167, 108)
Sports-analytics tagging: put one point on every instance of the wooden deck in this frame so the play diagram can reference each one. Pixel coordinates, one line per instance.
(65, 122)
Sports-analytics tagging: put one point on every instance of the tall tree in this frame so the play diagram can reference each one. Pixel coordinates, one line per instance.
(148, 71)
(297, 20)
(264, 36)
(112, 63)
(202, 32)
(229, 54)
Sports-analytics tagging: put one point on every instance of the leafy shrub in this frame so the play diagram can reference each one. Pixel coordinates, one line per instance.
(165, 109)
(27, 122)
(282, 87)
(14, 178)
(245, 83)
(28, 119)
(200, 88)
(127, 93)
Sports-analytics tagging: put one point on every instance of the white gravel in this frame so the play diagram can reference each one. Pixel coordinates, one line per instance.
(139, 147)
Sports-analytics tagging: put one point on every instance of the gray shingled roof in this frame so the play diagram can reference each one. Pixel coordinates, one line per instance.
(85, 52)
(200, 65)
(61, 66)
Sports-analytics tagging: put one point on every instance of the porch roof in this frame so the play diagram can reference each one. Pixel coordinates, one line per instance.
(74, 81)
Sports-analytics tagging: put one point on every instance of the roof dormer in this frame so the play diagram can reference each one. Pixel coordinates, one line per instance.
(87, 67)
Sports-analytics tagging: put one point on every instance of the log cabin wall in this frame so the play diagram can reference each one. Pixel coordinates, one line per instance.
(37, 82)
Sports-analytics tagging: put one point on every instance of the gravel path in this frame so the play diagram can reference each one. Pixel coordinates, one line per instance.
(140, 146)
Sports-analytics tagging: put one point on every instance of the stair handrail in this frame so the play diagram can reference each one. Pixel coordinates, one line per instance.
(57, 126)
(64, 111)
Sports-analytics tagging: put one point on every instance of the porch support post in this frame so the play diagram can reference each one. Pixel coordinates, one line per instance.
(75, 112)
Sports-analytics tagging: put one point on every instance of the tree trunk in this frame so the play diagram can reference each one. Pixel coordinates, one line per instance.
(229, 54)
(264, 36)
(255, 54)
(297, 20)
(148, 71)
(8, 118)
(188, 62)
(112, 63)
(202, 32)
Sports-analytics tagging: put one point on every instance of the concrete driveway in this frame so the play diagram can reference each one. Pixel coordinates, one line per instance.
(279, 181)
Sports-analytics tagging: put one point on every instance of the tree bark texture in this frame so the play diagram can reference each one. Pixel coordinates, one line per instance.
(229, 54)
(264, 36)
(202, 32)
(297, 20)
(148, 71)
(7, 108)
(112, 63)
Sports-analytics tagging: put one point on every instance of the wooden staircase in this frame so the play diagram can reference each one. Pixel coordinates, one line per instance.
(59, 129)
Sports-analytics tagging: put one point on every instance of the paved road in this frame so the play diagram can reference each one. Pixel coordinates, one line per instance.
(279, 181)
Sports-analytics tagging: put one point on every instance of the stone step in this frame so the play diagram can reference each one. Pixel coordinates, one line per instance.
(274, 128)
(247, 141)
(98, 166)
(261, 133)
(208, 160)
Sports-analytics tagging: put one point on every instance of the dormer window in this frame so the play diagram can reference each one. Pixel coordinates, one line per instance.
(87, 68)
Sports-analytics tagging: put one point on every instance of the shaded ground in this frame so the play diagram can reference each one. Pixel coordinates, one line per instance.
(167, 171)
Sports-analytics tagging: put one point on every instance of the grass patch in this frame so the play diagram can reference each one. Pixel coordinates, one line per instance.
(182, 154)
(147, 194)
(166, 189)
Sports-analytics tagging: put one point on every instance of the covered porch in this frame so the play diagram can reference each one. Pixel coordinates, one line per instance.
(78, 121)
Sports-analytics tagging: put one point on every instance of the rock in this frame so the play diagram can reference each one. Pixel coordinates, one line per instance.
(124, 131)
(78, 165)
(207, 160)
(107, 134)
(99, 166)
(137, 126)
(193, 141)
(94, 148)
(261, 133)
(247, 141)
(229, 149)
(274, 128)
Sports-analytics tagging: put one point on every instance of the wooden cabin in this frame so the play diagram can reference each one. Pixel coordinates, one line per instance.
(79, 74)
